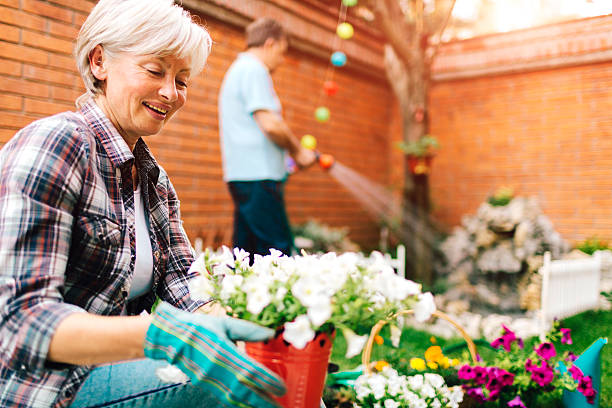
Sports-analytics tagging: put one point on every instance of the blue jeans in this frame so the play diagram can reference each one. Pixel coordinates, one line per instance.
(135, 384)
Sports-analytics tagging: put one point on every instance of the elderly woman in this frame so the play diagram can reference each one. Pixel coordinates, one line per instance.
(90, 235)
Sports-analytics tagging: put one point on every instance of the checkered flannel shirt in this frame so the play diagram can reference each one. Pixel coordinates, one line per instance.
(66, 244)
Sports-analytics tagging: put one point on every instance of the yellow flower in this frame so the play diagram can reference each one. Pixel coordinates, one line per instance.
(445, 362)
(454, 362)
(417, 364)
(432, 339)
(378, 340)
(380, 365)
(433, 353)
(432, 365)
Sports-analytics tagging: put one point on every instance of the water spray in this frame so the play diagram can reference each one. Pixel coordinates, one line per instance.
(326, 161)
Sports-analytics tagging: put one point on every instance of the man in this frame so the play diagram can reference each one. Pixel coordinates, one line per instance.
(254, 139)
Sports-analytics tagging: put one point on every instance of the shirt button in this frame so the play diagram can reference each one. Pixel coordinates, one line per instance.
(156, 255)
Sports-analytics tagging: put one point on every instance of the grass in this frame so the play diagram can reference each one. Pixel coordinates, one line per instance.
(586, 328)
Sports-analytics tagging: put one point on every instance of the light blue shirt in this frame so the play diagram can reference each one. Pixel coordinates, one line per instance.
(248, 154)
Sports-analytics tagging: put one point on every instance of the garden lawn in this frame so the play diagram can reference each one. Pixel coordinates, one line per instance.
(586, 328)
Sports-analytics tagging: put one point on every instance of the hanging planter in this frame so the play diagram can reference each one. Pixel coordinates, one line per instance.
(302, 370)
(419, 154)
(419, 165)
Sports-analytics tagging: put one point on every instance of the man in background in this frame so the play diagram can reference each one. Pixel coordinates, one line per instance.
(254, 141)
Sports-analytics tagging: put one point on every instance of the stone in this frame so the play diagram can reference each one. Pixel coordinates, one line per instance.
(499, 259)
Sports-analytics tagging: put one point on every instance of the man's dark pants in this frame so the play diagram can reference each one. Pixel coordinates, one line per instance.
(260, 218)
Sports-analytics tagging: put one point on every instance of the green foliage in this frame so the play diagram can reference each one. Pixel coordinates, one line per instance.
(323, 238)
(424, 146)
(592, 244)
(502, 196)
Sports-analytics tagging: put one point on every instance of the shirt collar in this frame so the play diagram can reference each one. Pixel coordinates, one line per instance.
(115, 146)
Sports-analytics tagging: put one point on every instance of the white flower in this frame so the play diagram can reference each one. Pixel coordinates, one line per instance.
(435, 380)
(320, 311)
(257, 299)
(201, 287)
(308, 289)
(171, 374)
(436, 403)
(298, 333)
(241, 255)
(428, 391)
(396, 334)
(229, 285)
(354, 343)
(415, 382)
(424, 307)
(198, 266)
(377, 383)
(389, 403)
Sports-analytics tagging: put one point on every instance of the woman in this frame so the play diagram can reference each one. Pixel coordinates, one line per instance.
(90, 235)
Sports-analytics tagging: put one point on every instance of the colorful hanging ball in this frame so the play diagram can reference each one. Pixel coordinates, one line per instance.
(322, 114)
(349, 3)
(330, 88)
(338, 59)
(345, 31)
(309, 142)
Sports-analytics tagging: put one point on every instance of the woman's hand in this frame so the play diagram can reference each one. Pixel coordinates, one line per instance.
(202, 347)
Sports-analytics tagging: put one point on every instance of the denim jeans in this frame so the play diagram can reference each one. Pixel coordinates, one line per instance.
(135, 384)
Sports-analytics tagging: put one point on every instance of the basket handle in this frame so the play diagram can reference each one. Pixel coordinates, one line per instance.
(367, 351)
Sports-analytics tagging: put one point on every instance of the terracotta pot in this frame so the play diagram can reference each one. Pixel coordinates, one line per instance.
(419, 164)
(302, 370)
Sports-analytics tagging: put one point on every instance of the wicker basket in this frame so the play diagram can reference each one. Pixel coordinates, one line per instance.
(367, 351)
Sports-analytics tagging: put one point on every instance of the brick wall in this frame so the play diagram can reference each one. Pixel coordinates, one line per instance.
(38, 78)
(528, 109)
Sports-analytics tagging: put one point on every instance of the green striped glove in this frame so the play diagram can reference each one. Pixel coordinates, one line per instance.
(201, 346)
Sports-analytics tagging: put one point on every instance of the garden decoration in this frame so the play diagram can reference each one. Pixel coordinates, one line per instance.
(419, 154)
(326, 161)
(522, 378)
(306, 299)
(589, 362)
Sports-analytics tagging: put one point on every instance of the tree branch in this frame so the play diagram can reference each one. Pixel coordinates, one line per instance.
(436, 47)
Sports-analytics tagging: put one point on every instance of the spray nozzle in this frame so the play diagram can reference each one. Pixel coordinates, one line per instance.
(326, 161)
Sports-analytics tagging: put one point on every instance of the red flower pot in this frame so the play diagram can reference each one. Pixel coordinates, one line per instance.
(419, 164)
(302, 370)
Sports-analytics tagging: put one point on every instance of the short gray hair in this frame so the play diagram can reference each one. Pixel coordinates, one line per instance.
(140, 27)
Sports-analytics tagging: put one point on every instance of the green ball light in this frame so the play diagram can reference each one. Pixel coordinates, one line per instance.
(349, 3)
(322, 114)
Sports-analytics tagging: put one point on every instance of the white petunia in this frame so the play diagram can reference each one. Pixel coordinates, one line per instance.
(415, 381)
(424, 307)
(435, 380)
(201, 287)
(257, 299)
(389, 403)
(198, 266)
(171, 374)
(436, 403)
(320, 311)
(241, 256)
(354, 343)
(298, 333)
(396, 334)
(378, 384)
(229, 286)
(428, 391)
(308, 289)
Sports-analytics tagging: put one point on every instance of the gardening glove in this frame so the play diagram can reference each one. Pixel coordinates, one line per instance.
(201, 346)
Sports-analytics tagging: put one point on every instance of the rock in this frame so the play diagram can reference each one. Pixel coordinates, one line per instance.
(485, 237)
(486, 295)
(457, 307)
(499, 259)
(492, 326)
(523, 231)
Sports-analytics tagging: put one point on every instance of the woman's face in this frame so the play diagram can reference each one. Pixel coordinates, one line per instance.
(141, 93)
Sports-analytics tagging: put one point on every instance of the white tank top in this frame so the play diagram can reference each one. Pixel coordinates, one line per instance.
(143, 268)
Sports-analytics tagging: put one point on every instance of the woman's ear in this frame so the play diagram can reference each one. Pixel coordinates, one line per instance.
(97, 64)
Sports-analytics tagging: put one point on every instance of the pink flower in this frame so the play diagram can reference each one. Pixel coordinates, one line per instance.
(516, 403)
(576, 373)
(571, 357)
(506, 340)
(529, 366)
(546, 351)
(543, 375)
(585, 387)
(567, 338)
(476, 393)
(480, 375)
(466, 373)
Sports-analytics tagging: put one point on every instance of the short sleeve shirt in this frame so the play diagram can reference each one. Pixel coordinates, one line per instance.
(248, 154)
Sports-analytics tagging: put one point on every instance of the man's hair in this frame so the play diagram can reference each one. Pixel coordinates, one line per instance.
(140, 27)
(261, 29)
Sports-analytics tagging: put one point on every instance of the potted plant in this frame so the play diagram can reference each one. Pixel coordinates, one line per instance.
(306, 298)
(419, 153)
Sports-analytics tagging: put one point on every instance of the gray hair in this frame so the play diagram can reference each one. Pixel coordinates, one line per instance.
(140, 27)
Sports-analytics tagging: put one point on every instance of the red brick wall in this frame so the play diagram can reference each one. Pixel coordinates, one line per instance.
(532, 110)
(38, 78)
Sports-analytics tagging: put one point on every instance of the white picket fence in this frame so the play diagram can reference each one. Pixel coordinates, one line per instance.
(569, 286)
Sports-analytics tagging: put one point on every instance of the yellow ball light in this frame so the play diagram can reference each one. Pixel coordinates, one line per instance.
(345, 31)
(309, 142)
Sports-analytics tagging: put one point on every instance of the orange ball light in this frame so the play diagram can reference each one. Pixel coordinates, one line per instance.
(326, 161)
(330, 88)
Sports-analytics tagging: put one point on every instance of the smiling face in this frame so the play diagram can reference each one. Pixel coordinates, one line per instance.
(141, 93)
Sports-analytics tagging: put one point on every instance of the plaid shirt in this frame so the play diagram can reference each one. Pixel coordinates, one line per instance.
(67, 244)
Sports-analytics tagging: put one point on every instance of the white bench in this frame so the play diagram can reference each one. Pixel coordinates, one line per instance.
(569, 286)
